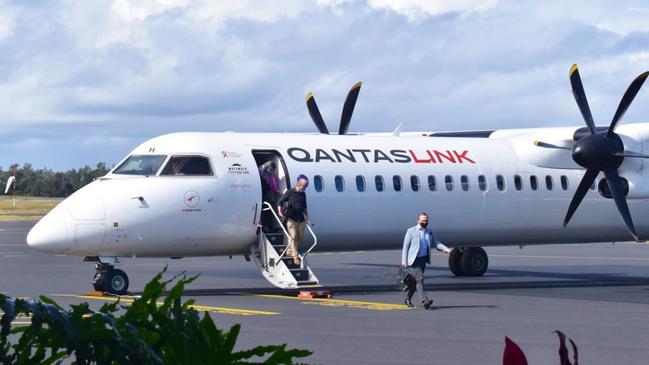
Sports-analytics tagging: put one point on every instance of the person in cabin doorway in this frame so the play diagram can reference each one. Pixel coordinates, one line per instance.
(292, 206)
(270, 191)
(416, 254)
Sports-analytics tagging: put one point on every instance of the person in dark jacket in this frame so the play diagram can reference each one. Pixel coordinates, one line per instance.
(297, 216)
(270, 192)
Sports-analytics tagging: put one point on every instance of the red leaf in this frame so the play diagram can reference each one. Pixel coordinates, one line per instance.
(513, 354)
(563, 350)
(575, 357)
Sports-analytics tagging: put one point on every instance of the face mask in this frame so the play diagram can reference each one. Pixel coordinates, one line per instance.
(423, 224)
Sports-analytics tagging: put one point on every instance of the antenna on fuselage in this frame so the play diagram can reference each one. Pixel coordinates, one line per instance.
(397, 130)
(345, 117)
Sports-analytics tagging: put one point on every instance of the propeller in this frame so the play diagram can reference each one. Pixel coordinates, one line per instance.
(346, 116)
(601, 150)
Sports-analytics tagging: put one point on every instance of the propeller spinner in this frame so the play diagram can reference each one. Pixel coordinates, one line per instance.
(345, 118)
(600, 149)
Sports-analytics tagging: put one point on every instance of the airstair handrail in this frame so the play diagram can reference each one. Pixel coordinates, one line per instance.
(315, 241)
(270, 207)
(315, 238)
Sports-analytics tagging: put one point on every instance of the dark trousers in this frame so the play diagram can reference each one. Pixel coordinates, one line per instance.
(417, 282)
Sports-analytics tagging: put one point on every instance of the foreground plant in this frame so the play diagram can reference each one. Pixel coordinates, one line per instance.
(514, 355)
(150, 331)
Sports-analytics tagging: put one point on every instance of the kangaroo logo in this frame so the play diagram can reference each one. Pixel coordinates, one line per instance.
(192, 198)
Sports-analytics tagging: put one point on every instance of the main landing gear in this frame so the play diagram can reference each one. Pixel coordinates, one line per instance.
(469, 261)
(108, 279)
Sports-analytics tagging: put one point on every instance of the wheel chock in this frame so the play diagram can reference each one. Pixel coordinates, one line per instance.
(95, 293)
(314, 294)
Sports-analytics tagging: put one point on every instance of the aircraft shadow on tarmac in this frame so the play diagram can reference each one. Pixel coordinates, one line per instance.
(494, 279)
(561, 279)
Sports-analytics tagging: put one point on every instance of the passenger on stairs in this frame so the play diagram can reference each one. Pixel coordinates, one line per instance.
(292, 206)
(270, 192)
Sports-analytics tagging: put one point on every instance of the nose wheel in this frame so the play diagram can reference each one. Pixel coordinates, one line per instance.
(108, 279)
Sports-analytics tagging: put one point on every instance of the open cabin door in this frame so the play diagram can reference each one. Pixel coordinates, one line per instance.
(266, 159)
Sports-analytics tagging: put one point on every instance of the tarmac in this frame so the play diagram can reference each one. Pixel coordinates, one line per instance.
(597, 294)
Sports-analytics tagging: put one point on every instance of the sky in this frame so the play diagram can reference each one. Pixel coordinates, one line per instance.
(87, 81)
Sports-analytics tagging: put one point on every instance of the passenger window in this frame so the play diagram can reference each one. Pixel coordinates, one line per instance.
(396, 182)
(187, 166)
(317, 182)
(360, 183)
(340, 183)
(549, 182)
(432, 183)
(414, 183)
(534, 182)
(464, 180)
(500, 182)
(378, 182)
(564, 182)
(482, 182)
(449, 182)
(518, 182)
(144, 165)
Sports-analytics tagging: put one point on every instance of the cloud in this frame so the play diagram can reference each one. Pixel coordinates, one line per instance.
(416, 9)
(123, 71)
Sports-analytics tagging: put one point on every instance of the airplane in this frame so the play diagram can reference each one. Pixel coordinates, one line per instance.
(200, 194)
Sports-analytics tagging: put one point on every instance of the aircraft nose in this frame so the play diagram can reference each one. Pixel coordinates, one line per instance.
(50, 234)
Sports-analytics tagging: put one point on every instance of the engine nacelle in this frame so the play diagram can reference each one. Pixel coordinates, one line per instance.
(634, 188)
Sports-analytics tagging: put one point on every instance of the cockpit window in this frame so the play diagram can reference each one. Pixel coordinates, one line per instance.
(140, 165)
(187, 166)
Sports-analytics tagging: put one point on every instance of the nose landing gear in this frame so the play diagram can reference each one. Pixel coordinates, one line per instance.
(108, 279)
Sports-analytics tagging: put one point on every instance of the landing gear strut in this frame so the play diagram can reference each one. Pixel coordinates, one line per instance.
(470, 261)
(108, 279)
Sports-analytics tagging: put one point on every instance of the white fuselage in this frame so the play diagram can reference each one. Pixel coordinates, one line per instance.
(150, 216)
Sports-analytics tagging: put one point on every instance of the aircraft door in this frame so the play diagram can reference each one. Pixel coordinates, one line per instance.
(274, 181)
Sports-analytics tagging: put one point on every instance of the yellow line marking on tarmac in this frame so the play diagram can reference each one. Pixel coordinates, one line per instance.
(340, 302)
(574, 257)
(222, 310)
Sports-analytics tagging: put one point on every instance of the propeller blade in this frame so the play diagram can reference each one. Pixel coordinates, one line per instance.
(617, 191)
(580, 98)
(582, 189)
(628, 97)
(550, 145)
(314, 112)
(348, 108)
(631, 154)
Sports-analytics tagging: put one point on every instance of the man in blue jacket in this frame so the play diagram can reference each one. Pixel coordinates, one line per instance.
(416, 253)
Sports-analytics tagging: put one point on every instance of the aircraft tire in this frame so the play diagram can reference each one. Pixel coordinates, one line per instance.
(116, 282)
(474, 261)
(454, 262)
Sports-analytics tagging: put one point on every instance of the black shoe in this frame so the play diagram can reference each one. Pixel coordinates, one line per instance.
(428, 304)
(408, 302)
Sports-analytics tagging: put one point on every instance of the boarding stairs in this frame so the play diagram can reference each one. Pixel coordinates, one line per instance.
(270, 255)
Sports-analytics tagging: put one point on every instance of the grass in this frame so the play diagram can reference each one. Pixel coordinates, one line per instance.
(27, 207)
